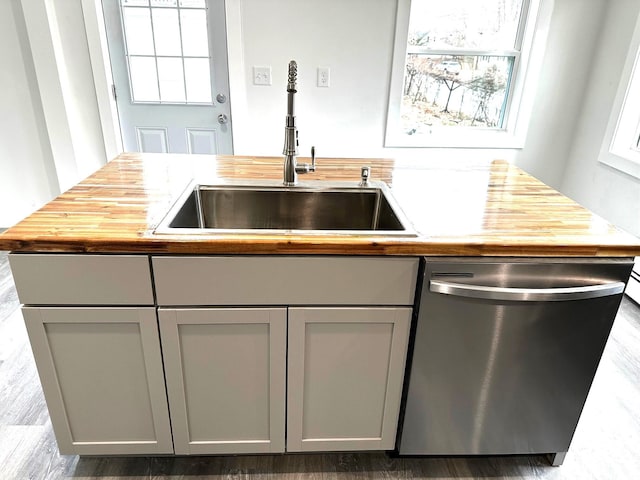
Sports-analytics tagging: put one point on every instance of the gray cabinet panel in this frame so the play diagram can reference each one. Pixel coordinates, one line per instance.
(345, 373)
(225, 372)
(101, 372)
(285, 280)
(51, 279)
(225, 368)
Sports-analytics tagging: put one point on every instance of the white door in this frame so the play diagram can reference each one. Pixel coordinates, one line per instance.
(169, 64)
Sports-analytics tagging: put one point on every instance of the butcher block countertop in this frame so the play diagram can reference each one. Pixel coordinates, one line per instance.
(465, 209)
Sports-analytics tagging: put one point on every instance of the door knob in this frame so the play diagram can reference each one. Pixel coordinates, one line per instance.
(222, 119)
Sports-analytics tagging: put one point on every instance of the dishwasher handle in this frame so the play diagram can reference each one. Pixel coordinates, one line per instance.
(526, 294)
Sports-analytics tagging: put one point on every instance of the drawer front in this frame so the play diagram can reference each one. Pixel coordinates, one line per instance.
(82, 279)
(285, 280)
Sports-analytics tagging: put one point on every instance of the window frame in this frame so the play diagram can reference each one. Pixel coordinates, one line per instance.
(623, 151)
(531, 39)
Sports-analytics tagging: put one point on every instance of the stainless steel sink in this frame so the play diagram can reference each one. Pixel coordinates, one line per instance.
(278, 209)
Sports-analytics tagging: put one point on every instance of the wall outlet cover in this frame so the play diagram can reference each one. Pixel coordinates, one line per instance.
(261, 75)
(324, 74)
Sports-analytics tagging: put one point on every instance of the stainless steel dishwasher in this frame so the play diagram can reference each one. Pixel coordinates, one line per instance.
(504, 353)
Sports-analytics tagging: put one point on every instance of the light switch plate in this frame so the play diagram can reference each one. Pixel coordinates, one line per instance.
(261, 75)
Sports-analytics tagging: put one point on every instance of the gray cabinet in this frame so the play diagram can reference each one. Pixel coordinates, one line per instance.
(229, 328)
(345, 365)
(94, 335)
(101, 372)
(345, 374)
(225, 371)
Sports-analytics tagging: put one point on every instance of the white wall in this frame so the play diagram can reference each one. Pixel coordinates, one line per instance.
(50, 135)
(27, 175)
(78, 88)
(355, 39)
(605, 190)
(573, 37)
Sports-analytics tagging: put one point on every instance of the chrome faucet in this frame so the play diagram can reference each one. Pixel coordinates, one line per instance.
(290, 151)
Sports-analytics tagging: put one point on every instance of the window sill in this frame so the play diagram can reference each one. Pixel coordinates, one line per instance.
(626, 162)
(456, 138)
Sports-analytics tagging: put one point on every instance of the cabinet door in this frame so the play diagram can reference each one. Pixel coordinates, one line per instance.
(101, 372)
(225, 371)
(345, 374)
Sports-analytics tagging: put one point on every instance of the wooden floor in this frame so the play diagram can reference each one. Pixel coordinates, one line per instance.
(606, 444)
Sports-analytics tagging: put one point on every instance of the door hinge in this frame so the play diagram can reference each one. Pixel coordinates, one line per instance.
(113, 92)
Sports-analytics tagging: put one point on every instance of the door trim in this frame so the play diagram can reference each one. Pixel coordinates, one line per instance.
(102, 79)
(236, 70)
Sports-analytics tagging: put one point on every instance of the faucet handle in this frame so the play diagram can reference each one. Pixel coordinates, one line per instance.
(308, 167)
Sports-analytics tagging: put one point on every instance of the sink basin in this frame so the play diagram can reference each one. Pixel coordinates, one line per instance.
(278, 209)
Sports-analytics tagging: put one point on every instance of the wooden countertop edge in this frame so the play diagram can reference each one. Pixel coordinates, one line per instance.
(320, 246)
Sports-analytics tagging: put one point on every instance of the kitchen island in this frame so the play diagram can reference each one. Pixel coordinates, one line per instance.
(477, 209)
(223, 343)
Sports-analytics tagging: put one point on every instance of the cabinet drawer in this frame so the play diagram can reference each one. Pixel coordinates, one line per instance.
(285, 280)
(82, 279)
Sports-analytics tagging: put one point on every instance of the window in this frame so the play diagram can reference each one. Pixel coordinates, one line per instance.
(459, 72)
(625, 144)
(167, 50)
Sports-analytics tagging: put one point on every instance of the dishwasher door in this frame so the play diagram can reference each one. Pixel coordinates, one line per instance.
(505, 353)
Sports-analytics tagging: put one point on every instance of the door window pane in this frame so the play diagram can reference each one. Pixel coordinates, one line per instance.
(164, 3)
(195, 42)
(135, 3)
(198, 82)
(192, 3)
(144, 80)
(166, 31)
(137, 29)
(168, 50)
(486, 24)
(171, 79)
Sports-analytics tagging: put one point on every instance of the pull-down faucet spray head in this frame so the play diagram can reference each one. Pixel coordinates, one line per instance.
(293, 76)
